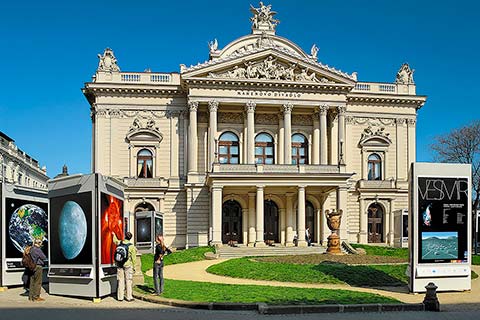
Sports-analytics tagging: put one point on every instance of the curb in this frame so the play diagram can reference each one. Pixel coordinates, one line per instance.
(264, 308)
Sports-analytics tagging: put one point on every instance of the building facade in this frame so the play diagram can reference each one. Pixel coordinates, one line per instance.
(19, 168)
(255, 144)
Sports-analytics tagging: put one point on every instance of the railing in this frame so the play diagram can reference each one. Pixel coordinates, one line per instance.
(376, 184)
(146, 182)
(274, 169)
(375, 87)
(138, 77)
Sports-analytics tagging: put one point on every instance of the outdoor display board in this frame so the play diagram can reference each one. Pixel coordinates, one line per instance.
(84, 211)
(23, 219)
(440, 226)
(148, 224)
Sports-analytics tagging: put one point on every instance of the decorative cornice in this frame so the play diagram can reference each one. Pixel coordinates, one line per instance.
(417, 101)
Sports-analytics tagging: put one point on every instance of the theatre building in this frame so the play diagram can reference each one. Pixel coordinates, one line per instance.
(255, 144)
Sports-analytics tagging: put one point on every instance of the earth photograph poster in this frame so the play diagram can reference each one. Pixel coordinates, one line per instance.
(25, 220)
(442, 220)
(71, 229)
(111, 209)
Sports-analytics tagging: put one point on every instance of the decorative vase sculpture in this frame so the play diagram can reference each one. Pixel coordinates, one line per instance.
(334, 219)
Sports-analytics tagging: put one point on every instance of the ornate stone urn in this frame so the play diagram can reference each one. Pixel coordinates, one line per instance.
(334, 219)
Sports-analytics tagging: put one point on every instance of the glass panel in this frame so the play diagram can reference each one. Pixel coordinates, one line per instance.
(263, 137)
(370, 172)
(258, 150)
(145, 152)
(258, 160)
(373, 156)
(269, 151)
(377, 171)
(298, 138)
(149, 169)
(234, 160)
(139, 169)
(234, 150)
(294, 161)
(222, 160)
(269, 161)
(223, 149)
(294, 151)
(302, 161)
(301, 151)
(228, 136)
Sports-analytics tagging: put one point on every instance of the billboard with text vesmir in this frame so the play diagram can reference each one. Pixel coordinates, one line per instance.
(443, 214)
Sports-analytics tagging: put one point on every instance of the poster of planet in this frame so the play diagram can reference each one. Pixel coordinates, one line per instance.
(71, 229)
(111, 209)
(25, 220)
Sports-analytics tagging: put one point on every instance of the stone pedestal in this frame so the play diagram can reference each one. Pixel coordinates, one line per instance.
(138, 275)
(333, 246)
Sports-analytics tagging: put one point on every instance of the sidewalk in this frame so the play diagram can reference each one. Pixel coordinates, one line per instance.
(196, 271)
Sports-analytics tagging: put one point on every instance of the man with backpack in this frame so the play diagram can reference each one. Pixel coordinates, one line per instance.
(38, 257)
(124, 257)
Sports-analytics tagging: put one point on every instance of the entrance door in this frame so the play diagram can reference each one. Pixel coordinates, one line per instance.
(270, 211)
(231, 222)
(310, 219)
(375, 223)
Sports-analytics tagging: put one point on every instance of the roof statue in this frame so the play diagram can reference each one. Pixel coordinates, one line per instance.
(213, 45)
(405, 75)
(107, 62)
(262, 19)
(314, 52)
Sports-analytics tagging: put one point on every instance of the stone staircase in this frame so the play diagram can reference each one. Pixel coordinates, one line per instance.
(243, 251)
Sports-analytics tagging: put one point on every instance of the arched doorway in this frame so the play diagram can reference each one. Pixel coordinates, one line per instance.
(375, 223)
(270, 211)
(310, 219)
(232, 222)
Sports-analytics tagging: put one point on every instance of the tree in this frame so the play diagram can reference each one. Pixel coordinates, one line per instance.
(462, 146)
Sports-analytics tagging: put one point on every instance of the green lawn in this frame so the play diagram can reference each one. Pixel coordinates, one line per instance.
(475, 260)
(181, 256)
(326, 272)
(213, 292)
(383, 251)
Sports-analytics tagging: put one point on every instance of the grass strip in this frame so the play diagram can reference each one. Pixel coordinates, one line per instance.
(181, 256)
(326, 272)
(383, 251)
(214, 292)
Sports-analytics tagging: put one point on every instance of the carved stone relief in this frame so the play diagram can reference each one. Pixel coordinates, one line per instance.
(405, 75)
(230, 117)
(302, 120)
(107, 61)
(202, 117)
(266, 118)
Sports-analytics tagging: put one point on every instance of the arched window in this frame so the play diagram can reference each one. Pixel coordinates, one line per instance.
(264, 148)
(228, 148)
(374, 167)
(299, 149)
(145, 164)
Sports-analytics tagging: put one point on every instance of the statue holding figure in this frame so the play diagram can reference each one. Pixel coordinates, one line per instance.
(263, 17)
(107, 61)
(405, 75)
(314, 52)
(213, 45)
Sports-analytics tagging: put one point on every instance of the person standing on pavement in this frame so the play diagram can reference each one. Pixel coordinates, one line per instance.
(160, 251)
(308, 238)
(38, 258)
(126, 271)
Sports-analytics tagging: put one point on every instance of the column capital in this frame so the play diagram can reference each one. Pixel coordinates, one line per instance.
(323, 109)
(250, 106)
(216, 188)
(193, 106)
(341, 110)
(301, 187)
(213, 105)
(287, 108)
(260, 187)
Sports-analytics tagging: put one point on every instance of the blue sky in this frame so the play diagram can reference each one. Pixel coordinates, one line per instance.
(49, 49)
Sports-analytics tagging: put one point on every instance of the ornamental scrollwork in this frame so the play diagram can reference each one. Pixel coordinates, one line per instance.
(230, 117)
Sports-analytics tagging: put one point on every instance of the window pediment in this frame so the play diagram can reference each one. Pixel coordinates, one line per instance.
(378, 138)
(148, 132)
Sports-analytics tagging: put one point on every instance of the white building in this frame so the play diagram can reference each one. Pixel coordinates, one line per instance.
(19, 168)
(253, 145)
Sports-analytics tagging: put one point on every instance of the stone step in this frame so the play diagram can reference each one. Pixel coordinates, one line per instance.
(231, 252)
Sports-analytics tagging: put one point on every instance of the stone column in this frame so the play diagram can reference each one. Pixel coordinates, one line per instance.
(251, 219)
(281, 138)
(411, 141)
(341, 134)
(391, 224)
(174, 147)
(362, 236)
(323, 134)
(342, 205)
(217, 215)
(259, 242)
(245, 213)
(192, 137)
(316, 141)
(250, 108)
(281, 213)
(287, 120)
(212, 132)
(402, 149)
(301, 217)
(289, 214)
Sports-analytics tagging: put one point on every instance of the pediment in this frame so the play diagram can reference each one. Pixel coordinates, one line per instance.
(144, 131)
(377, 138)
(269, 65)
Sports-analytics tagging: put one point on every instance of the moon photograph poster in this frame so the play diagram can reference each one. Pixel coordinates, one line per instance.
(25, 221)
(71, 229)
